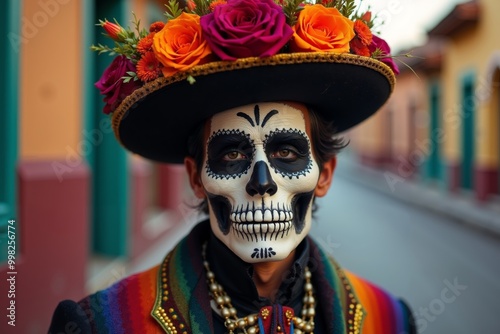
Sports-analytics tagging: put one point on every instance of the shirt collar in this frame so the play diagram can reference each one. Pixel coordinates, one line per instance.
(235, 276)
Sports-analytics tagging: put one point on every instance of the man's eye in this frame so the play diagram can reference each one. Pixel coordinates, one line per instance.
(234, 155)
(284, 154)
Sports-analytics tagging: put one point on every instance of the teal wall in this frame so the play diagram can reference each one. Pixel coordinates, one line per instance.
(467, 131)
(10, 45)
(433, 168)
(108, 161)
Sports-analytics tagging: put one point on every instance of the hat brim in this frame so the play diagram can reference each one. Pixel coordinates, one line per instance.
(157, 119)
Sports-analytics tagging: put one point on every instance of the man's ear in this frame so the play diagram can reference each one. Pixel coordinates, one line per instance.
(325, 178)
(194, 177)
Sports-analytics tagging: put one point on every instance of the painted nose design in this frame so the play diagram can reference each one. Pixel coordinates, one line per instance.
(261, 181)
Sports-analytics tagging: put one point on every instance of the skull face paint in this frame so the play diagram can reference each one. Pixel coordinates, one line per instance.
(260, 175)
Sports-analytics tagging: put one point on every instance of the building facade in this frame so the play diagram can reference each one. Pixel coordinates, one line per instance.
(441, 125)
(72, 200)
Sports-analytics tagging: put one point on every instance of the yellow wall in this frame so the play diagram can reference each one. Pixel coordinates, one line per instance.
(471, 50)
(51, 112)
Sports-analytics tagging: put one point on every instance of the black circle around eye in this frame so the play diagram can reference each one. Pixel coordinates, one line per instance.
(288, 152)
(229, 154)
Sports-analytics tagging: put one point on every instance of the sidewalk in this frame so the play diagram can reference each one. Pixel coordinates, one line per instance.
(461, 207)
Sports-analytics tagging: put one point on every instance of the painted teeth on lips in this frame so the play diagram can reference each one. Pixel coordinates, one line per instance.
(259, 216)
(264, 228)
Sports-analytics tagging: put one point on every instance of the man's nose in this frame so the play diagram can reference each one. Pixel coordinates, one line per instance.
(261, 181)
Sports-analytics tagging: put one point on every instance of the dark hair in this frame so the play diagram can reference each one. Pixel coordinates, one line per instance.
(325, 145)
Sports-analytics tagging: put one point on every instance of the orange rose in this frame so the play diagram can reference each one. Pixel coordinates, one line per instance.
(322, 29)
(180, 46)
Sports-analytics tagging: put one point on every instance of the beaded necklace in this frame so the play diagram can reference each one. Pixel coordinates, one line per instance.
(254, 323)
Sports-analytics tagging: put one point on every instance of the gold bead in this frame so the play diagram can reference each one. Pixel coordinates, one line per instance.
(231, 326)
(307, 274)
(225, 312)
(310, 312)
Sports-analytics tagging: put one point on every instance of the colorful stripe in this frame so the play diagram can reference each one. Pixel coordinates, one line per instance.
(125, 306)
(384, 314)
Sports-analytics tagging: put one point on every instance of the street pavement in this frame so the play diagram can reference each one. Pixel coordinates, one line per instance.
(446, 270)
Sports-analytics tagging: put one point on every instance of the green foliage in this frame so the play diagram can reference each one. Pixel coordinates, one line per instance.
(127, 44)
(173, 9)
(202, 7)
(346, 7)
(291, 8)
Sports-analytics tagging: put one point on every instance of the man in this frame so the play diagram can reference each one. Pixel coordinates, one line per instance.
(256, 137)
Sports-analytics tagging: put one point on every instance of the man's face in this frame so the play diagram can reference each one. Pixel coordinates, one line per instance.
(259, 176)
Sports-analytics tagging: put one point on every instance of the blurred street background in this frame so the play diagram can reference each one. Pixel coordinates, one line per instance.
(414, 207)
(447, 271)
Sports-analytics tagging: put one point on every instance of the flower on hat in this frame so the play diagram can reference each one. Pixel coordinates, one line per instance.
(197, 32)
(246, 28)
(112, 85)
(381, 50)
(322, 28)
(145, 44)
(113, 30)
(148, 67)
(180, 45)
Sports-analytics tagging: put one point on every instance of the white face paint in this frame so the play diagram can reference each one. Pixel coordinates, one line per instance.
(260, 175)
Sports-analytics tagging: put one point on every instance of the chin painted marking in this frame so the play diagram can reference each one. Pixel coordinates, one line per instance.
(263, 253)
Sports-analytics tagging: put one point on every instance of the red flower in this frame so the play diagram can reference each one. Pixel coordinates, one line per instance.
(191, 5)
(145, 44)
(216, 3)
(115, 31)
(359, 48)
(363, 32)
(156, 26)
(111, 83)
(367, 17)
(148, 67)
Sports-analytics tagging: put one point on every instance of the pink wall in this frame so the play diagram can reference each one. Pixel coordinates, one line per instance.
(52, 241)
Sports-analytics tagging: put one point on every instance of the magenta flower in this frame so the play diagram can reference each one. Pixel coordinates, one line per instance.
(379, 43)
(246, 28)
(111, 83)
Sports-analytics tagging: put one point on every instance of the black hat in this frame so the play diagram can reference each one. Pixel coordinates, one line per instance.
(235, 53)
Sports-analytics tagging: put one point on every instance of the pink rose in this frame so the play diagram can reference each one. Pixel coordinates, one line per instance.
(379, 43)
(246, 28)
(111, 83)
